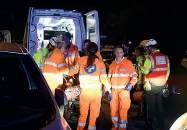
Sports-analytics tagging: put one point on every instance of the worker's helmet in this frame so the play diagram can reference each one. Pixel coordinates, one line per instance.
(53, 41)
(138, 96)
(151, 42)
(143, 42)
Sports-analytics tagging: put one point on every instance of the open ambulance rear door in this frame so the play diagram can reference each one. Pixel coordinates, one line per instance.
(92, 27)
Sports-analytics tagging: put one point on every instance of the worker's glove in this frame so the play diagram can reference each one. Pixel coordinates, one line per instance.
(110, 97)
(103, 92)
(147, 86)
(128, 87)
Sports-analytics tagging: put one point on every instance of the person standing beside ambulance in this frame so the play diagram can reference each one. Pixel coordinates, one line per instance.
(92, 74)
(123, 77)
(72, 54)
(55, 66)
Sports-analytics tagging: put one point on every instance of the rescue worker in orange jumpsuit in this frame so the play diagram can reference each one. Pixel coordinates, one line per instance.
(92, 74)
(72, 54)
(55, 66)
(157, 69)
(86, 42)
(122, 77)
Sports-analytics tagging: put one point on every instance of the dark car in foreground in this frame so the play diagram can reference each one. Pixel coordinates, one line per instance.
(25, 97)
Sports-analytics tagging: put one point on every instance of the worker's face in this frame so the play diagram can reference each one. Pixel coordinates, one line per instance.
(137, 52)
(66, 39)
(63, 49)
(119, 53)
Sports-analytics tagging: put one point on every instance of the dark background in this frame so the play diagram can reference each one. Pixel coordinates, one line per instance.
(128, 20)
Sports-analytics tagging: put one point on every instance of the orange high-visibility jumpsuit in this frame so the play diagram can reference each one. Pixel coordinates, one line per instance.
(72, 58)
(91, 80)
(72, 55)
(53, 69)
(120, 74)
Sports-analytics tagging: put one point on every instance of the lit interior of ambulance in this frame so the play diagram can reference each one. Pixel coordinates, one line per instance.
(54, 26)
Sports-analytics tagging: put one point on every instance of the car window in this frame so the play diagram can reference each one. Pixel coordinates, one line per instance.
(24, 97)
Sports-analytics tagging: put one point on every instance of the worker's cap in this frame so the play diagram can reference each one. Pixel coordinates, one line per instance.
(53, 41)
(143, 42)
(151, 42)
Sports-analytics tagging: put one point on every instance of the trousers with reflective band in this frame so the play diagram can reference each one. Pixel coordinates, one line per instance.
(158, 72)
(119, 106)
(89, 100)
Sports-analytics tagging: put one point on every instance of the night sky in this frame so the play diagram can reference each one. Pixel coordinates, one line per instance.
(131, 20)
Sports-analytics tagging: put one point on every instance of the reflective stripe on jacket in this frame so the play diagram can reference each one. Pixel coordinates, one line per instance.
(92, 77)
(120, 74)
(72, 55)
(157, 68)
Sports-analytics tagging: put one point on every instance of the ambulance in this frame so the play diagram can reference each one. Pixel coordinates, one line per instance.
(42, 24)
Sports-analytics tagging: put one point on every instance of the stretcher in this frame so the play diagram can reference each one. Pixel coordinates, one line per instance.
(72, 92)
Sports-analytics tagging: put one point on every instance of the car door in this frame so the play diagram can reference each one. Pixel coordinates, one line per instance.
(92, 27)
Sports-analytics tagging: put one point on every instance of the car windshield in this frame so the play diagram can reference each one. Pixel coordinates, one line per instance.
(24, 98)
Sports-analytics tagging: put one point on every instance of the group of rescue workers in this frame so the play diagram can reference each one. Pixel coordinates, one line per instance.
(61, 57)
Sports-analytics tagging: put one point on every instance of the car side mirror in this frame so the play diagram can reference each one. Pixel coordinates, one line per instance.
(60, 97)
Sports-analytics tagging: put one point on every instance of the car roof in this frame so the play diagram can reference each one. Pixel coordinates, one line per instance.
(12, 48)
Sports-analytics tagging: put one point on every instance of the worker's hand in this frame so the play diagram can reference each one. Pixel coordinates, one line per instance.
(128, 87)
(103, 92)
(110, 97)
